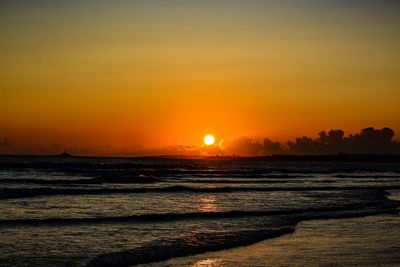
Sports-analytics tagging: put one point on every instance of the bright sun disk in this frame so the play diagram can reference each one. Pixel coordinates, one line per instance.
(209, 139)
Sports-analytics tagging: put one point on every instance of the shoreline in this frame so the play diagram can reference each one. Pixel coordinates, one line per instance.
(259, 254)
(327, 242)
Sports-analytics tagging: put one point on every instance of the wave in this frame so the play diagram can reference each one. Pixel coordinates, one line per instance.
(10, 193)
(140, 180)
(232, 174)
(364, 176)
(233, 181)
(98, 180)
(373, 199)
(188, 167)
(195, 179)
(164, 217)
(197, 243)
(205, 242)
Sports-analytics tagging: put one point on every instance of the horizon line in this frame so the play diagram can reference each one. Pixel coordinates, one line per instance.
(292, 157)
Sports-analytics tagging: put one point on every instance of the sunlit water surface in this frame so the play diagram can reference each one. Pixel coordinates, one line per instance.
(73, 212)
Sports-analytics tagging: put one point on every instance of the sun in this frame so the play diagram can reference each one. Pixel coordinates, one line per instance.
(209, 140)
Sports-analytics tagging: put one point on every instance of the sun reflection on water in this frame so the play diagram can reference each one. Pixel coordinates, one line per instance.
(207, 204)
(209, 263)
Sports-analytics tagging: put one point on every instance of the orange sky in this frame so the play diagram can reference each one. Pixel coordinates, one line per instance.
(103, 78)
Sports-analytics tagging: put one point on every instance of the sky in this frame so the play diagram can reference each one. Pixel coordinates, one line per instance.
(128, 77)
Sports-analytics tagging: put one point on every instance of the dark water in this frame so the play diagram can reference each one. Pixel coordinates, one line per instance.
(122, 212)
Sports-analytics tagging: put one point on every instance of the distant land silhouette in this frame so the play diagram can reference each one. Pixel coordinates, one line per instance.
(65, 154)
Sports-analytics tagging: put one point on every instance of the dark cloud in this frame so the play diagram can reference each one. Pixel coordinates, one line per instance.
(271, 147)
(368, 141)
(242, 146)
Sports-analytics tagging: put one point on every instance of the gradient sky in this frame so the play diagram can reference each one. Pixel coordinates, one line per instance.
(115, 77)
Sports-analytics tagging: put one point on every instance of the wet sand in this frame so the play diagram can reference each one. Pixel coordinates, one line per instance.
(367, 241)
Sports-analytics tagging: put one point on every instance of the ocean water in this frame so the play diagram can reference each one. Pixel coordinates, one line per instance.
(58, 211)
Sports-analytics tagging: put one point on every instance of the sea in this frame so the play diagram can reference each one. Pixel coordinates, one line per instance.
(81, 211)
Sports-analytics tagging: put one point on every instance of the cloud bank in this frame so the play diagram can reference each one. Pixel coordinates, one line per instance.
(367, 141)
